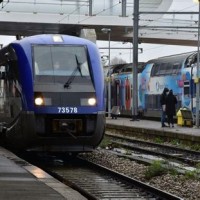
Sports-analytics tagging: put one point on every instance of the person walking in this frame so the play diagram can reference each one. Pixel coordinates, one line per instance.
(171, 102)
(163, 106)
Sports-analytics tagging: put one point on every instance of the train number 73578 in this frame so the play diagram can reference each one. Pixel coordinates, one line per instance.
(67, 110)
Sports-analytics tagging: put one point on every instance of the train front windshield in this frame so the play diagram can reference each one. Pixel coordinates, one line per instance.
(54, 63)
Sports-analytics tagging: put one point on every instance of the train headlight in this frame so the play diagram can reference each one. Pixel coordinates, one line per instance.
(91, 101)
(88, 101)
(39, 101)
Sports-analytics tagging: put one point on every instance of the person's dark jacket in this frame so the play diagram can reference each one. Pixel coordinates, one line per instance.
(163, 97)
(171, 102)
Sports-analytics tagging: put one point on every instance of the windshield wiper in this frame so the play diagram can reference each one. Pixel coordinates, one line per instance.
(73, 75)
(71, 78)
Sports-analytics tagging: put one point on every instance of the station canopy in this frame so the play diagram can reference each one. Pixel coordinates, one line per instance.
(30, 17)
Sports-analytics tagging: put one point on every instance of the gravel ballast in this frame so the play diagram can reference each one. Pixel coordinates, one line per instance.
(188, 189)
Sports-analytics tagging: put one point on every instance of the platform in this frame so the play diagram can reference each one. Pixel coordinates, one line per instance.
(154, 128)
(20, 180)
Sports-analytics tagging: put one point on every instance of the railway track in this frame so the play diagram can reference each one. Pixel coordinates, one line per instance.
(184, 156)
(98, 182)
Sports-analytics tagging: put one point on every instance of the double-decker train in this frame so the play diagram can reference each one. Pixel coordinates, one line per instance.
(176, 72)
(51, 94)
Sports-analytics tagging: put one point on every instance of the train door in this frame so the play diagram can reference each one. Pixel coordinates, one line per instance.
(117, 93)
(193, 89)
(128, 94)
(122, 93)
(113, 91)
(187, 91)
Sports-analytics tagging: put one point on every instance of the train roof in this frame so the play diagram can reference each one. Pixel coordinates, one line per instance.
(54, 39)
(173, 58)
(122, 67)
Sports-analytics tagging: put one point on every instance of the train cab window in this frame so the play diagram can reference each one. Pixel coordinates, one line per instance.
(60, 61)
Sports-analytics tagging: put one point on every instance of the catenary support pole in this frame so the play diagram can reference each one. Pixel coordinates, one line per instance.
(198, 86)
(135, 60)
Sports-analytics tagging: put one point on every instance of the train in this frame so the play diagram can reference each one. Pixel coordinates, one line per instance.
(176, 72)
(52, 94)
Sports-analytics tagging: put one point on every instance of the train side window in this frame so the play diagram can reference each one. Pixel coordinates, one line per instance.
(163, 69)
(176, 68)
(154, 103)
(157, 99)
(149, 101)
(155, 69)
(169, 69)
(128, 69)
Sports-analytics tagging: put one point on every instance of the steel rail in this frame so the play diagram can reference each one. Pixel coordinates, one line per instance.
(107, 178)
(151, 189)
(95, 181)
(180, 154)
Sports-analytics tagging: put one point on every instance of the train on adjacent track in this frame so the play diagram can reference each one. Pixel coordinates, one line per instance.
(52, 94)
(176, 72)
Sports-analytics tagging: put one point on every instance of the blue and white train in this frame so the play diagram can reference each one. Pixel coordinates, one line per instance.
(176, 72)
(52, 94)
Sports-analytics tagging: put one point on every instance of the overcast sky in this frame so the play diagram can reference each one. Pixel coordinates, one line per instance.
(150, 51)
